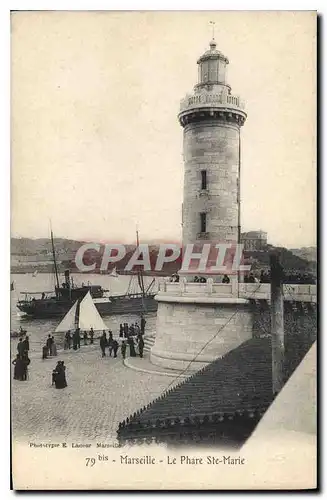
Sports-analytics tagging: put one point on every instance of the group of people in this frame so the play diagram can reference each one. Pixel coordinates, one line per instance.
(113, 345)
(50, 348)
(132, 335)
(73, 340)
(126, 330)
(22, 360)
(202, 279)
(290, 277)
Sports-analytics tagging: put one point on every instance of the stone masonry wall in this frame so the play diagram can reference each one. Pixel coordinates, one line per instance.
(184, 329)
(212, 146)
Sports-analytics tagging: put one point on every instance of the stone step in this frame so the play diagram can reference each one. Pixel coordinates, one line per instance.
(148, 343)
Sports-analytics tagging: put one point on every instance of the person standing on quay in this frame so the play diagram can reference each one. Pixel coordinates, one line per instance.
(85, 337)
(91, 336)
(78, 337)
(121, 330)
(143, 323)
(141, 346)
(49, 343)
(20, 347)
(59, 375)
(53, 347)
(110, 343)
(126, 330)
(26, 343)
(103, 344)
(19, 368)
(45, 352)
(26, 362)
(68, 339)
(123, 349)
(75, 340)
(115, 347)
(132, 352)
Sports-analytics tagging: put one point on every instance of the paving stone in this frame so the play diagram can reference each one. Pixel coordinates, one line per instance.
(101, 392)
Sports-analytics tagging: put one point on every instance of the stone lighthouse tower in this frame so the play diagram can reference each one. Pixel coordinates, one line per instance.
(199, 322)
(211, 118)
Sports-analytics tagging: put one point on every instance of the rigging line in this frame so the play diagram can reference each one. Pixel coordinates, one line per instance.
(54, 259)
(207, 343)
(150, 286)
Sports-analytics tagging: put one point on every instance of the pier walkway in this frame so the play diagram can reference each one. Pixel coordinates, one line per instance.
(100, 393)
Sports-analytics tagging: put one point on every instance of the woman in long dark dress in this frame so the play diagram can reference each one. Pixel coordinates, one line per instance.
(26, 361)
(110, 343)
(141, 346)
(132, 352)
(19, 368)
(59, 376)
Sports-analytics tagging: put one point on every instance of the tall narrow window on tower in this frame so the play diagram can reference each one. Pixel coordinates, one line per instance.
(203, 179)
(203, 222)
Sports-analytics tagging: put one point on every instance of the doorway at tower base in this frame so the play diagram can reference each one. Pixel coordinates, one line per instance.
(192, 332)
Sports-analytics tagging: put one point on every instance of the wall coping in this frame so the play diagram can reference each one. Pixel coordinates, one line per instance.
(200, 299)
(201, 358)
(211, 292)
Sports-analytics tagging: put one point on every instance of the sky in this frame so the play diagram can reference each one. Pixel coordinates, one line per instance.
(95, 142)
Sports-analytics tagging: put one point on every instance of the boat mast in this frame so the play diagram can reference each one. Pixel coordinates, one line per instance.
(77, 314)
(139, 272)
(54, 261)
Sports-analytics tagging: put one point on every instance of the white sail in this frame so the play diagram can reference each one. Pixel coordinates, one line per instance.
(89, 316)
(68, 322)
(114, 273)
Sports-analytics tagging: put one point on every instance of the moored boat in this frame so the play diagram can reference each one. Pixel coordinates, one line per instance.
(138, 299)
(17, 334)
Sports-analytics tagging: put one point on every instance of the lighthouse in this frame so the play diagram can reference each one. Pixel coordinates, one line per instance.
(211, 118)
(200, 322)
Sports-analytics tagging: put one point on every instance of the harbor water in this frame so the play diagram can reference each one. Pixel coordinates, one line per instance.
(38, 329)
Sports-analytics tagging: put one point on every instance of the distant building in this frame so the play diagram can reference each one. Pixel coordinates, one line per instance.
(254, 240)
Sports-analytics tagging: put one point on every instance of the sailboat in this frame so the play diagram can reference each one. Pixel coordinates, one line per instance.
(34, 274)
(114, 273)
(83, 315)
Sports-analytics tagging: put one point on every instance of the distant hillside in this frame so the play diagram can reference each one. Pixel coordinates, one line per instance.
(30, 254)
(289, 261)
(42, 246)
(307, 253)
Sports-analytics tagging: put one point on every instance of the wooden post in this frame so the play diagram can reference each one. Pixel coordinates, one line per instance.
(277, 323)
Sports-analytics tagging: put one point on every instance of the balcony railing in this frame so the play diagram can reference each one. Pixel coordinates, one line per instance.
(301, 293)
(206, 99)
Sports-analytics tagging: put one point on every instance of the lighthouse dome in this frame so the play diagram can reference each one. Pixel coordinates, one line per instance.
(212, 67)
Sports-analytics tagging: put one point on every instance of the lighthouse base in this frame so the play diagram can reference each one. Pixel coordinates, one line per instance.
(194, 331)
